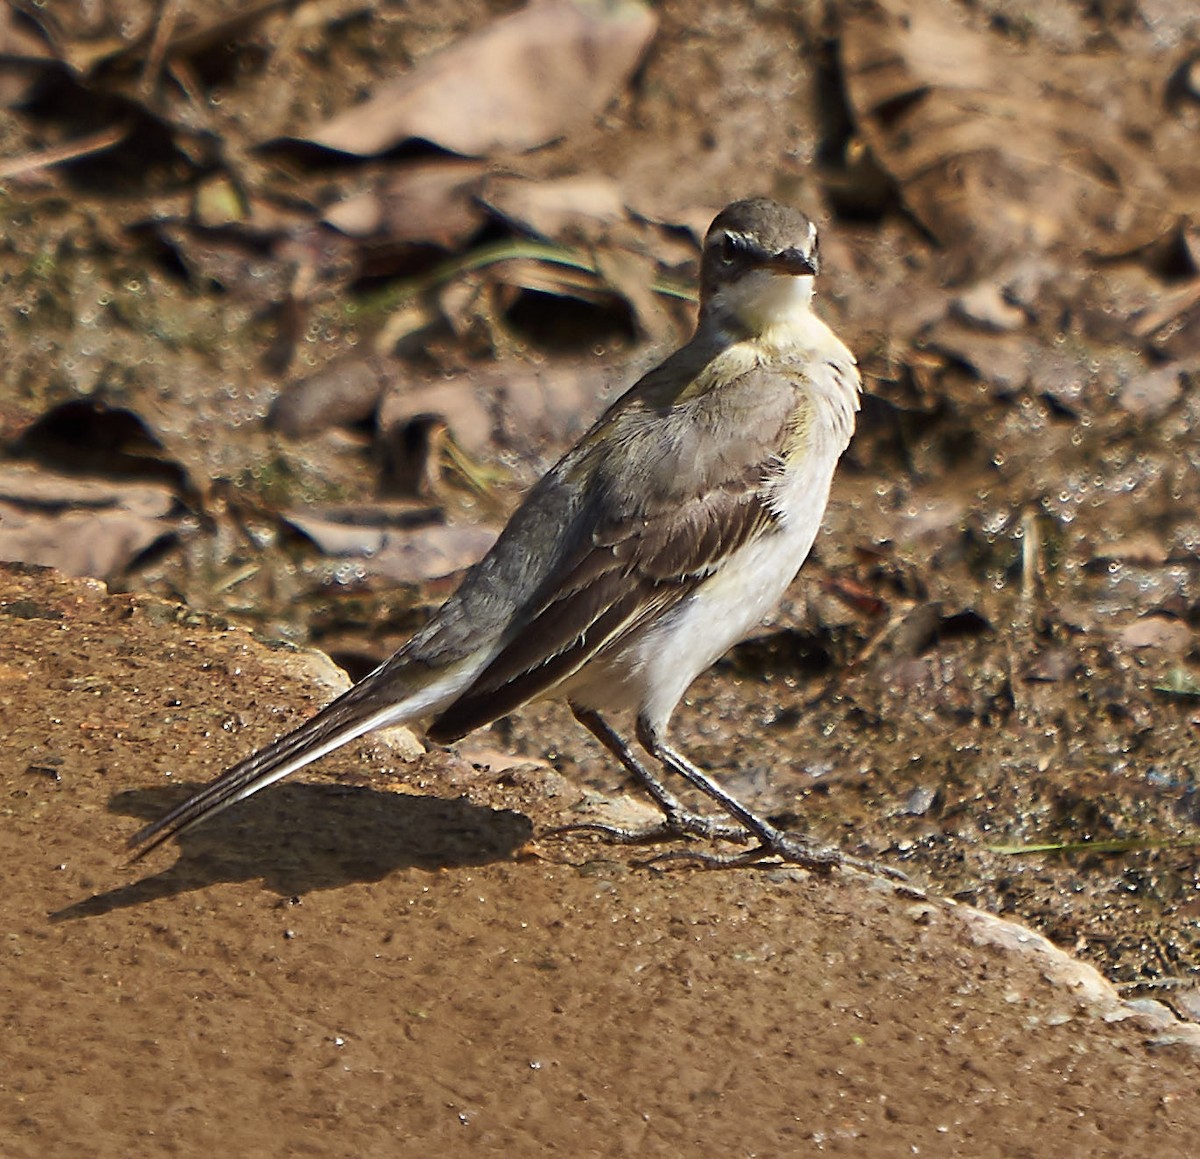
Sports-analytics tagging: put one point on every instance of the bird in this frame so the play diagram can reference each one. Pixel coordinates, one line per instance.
(659, 540)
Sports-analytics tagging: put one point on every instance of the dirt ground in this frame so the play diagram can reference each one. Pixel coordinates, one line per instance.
(987, 676)
(371, 963)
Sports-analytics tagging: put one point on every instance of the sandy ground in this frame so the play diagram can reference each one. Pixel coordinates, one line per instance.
(369, 963)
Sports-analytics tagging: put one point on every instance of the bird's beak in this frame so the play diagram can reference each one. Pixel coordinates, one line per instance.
(794, 262)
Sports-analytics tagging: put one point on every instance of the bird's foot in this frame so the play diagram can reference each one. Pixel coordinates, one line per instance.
(774, 845)
(677, 823)
(782, 847)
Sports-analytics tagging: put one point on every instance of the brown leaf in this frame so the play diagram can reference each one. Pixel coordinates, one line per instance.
(92, 543)
(1000, 148)
(403, 543)
(984, 306)
(1152, 394)
(1157, 632)
(337, 538)
(1002, 360)
(551, 278)
(84, 527)
(525, 79)
(1068, 375)
(632, 276)
(430, 553)
(465, 409)
(1051, 666)
(855, 595)
(577, 208)
(148, 33)
(25, 57)
(916, 631)
(434, 203)
(265, 266)
(532, 410)
(87, 435)
(1179, 338)
(38, 490)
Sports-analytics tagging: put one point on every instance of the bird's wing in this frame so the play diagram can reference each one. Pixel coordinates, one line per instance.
(670, 499)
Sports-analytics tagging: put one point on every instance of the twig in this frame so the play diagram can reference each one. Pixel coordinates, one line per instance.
(83, 147)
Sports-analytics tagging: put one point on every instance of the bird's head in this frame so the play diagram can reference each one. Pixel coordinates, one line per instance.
(758, 266)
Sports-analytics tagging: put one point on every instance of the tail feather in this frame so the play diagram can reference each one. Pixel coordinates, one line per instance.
(358, 711)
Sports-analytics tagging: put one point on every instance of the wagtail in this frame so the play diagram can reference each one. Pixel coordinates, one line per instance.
(654, 544)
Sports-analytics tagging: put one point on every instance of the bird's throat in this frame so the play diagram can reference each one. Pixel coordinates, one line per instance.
(774, 311)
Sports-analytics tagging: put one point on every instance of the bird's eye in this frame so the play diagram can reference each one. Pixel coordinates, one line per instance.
(730, 248)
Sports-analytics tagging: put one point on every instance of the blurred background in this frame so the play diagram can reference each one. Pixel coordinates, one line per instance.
(296, 298)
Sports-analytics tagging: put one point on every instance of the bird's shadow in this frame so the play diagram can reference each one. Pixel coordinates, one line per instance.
(303, 837)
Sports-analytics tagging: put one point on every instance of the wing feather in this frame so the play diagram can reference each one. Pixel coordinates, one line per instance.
(598, 599)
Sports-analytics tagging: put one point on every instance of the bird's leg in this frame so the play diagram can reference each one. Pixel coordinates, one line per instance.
(773, 842)
(677, 821)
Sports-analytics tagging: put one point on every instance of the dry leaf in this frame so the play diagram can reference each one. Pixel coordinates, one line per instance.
(522, 81)
(531, 411)
(998, 147)
(24, 57)
(1051, 666)
(94, 543)
(551, 278)
(465, 409)
(430, 553)
(84, 527)
(1157, 632)
(1180, 337)
(1142, 548)
(432, 203)
(579, 208)
(403, 543)
(633, 276)
(39, 490)
(1152, 394)
(984, 305)
(88, 435)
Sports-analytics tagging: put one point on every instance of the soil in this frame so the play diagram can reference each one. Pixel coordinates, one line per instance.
(371, 963)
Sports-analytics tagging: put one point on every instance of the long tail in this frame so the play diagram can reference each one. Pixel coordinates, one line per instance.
(373, 703)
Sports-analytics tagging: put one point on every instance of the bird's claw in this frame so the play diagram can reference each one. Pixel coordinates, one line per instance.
(671, 827)
(785, 847)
